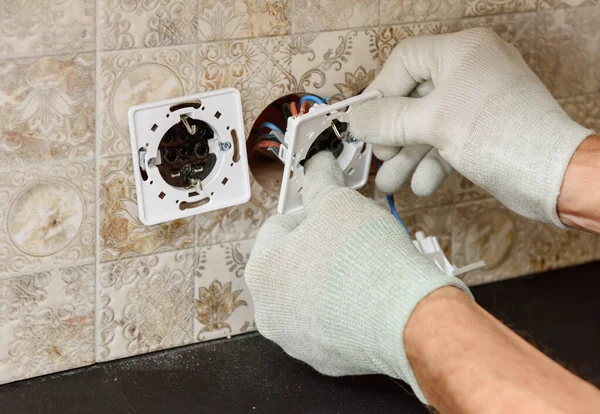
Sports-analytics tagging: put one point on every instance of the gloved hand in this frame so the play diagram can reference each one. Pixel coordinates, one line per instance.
(485, 112)
(335, 288)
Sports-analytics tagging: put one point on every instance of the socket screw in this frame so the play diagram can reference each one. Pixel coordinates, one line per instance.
(224, 146)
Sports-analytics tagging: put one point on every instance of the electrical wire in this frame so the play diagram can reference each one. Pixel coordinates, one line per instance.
(311, 98)
(391, 203)
(270, 125)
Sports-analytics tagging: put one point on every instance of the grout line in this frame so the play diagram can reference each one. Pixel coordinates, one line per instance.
(97, 187)
(45, 164)
(47, 268)
(43, 55)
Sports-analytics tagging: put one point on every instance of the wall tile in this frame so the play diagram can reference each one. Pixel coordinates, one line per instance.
(389, 37)
(516, 29)
(239, 222)
(562, 4)
(485, 7)
(122, 234)
(148, 23)
(568, 56)
(145, 304)
(258, 68)
(46, 322)
(511, 245)
(129, 78)
(46, 26)
(235, 19)
(47, 108)
(334, 64)
(310, 16)
(223, 306)
(47, 217)
(584, 109)
(395, 12)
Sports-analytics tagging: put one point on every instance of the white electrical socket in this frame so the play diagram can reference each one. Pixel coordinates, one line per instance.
(301, 133)
(189, 155)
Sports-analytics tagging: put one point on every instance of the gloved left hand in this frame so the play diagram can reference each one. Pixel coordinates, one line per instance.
(335, 286)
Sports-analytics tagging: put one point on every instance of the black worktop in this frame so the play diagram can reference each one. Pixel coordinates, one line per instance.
(559, 311)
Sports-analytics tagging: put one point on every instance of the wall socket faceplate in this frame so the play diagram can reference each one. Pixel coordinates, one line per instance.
(189, 155)
(302, 131)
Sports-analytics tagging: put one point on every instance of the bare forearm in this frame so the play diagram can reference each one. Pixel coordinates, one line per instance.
(579, 200)
(466, 361)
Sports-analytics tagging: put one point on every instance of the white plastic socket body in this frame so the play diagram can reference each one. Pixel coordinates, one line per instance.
(302, 131)
(227, 184)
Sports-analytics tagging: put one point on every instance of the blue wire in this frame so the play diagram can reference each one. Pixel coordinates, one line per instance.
(312, 98)
(390, 200)
(270, 125)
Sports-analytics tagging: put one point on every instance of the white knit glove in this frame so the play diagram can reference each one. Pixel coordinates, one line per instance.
(485, 112)
(335, 289)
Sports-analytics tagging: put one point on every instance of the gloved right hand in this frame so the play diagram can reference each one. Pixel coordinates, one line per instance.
(484, 110)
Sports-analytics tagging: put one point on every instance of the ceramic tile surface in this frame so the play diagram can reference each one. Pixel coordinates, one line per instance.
(47, 217)
(568, 56)
(395, 12)
(128, 24)
(561, 4)
(235, 19)
(145, 304)
(46, 26)
(47, 108)
(584, 109)
(46, 322)
(129, 78)
(122, 234)
(485, 7)
(326, 15)
(223, 306)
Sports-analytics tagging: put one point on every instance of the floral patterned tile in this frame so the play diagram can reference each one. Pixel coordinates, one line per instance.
(149, 23)
(239, 222)
(511, 245)
(259, 68)
(389, 37)
(47, 108)
(436, 221)
(122, 234)
(334, 64)
(397, 12)
(223, 303)
(485, 7)
(145, 304)
(563, 4)
(47, 217)
(129, 78)
(313, 16)
(236, 19)
(584, 109)
(44, 27)
(516, 29)
(568, 56)
(46, 322)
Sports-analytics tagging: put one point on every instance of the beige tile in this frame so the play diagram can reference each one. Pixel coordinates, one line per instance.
(46, 26)
(223, 306)
(145, 304)
(437, 221)
(240, 222)
(397, 12)
(485, 7)
(389, 37)
(235, 19)
(511, 245)
(122, 234)
(568, 56)
(584, 109)
(259, 68)
(516, 29)
(563, 4)
(46, 322)
(47, 109)
(47, 217)
(312, 16)
(148, 23)
(129, 78)
(334, 64)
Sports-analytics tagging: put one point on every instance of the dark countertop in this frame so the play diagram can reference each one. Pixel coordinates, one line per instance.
(559, 311)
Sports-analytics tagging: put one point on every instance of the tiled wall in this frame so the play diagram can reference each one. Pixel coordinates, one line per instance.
(83, 280)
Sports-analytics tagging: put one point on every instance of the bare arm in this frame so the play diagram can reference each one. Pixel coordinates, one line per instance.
(466, 361)
(579, 200)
